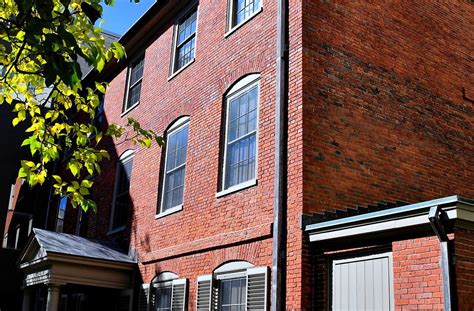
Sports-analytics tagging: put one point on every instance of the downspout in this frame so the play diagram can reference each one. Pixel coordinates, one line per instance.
(278, 291)
(438, 218)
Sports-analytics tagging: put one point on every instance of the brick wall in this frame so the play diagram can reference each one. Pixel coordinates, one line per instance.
(417, 278)
(384, 113)
(464, 267)
(208, 231)
(417, 274)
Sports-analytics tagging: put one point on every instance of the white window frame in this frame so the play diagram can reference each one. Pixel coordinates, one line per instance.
(232, 270)
(166, 279)
(173, 71)
(178, 125)
(239, 88)
(231, 17)
(125, 157)
(125, 110)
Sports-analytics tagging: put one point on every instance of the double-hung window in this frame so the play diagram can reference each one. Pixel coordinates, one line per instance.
(175, 165)
(240, 150)
(236, 286)
(61, 214)
(121, 201)
(166, 292)
(134, 83)
(242, 10)
(185, 40)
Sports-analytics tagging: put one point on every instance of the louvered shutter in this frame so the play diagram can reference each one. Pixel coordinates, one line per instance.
(143, 297)
(204, 293)
(257, 288)
(178, 296)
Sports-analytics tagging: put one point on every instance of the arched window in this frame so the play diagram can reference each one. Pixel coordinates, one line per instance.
(168, 292)
(174, 167)
(241, 129)
(121, 199)
(237, 285)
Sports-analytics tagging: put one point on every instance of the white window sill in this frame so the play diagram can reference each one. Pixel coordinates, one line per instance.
(241, 186)
(169, 211)
(130, 109)
(174, 74)
(116, 230)
(233, 29)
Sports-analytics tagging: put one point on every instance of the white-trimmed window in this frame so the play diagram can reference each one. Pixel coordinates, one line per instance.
(61, 214)
(166, 292)
(242, 10)
(235, 286)
(174, 166)
(240, 146)
(185, 40)
(121, 200)
(134, 83)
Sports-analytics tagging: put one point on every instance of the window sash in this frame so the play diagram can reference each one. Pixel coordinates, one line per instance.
(185, 24)
(121, 202)
(179, 153)
(249, 8)
(250, 170)
(134, 80)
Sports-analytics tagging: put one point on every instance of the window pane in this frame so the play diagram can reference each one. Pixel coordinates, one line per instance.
(241, 138)
(185, 41)
(163, 298)
(122, 197)
(175, 168)
(243, 9)
(134, 82)
(232, 293)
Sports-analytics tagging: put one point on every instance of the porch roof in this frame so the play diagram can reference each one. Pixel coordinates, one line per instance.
(68, 244)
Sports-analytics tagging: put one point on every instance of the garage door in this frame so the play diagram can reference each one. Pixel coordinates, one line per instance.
(363, 283)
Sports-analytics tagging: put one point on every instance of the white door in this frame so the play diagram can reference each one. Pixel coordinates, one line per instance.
(363, 283)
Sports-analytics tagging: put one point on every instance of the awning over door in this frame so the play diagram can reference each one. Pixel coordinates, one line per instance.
(385, 218)
(59, 258)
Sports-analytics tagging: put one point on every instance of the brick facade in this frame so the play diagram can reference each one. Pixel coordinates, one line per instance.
(376, 113)
(385, 117)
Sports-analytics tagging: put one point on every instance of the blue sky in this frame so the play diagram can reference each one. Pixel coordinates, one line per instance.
(123, 14)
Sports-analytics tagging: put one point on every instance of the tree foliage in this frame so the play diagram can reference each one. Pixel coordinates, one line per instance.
(40, 45)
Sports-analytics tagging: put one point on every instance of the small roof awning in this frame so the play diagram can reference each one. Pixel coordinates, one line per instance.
(60, 258)
(387, 218)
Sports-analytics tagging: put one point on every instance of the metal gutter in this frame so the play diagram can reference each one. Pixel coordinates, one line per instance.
(278, 290)
(438, 219)
(407, 209)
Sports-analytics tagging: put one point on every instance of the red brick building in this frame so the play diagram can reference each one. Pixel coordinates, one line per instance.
(374, 145)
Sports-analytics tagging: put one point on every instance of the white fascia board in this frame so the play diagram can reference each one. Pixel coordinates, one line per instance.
(397, 218)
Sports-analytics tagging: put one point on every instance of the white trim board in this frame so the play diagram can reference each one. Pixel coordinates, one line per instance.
(457, 208)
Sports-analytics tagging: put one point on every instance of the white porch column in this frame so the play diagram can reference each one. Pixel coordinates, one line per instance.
(26, 306)
(52, 304)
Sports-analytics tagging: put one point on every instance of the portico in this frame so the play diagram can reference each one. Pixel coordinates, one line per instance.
(56, 260)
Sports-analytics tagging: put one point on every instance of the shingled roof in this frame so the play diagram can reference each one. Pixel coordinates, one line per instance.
(68, 244)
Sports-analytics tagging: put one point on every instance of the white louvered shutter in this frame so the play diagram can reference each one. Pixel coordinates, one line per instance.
(144, 297)
(204, 293)
(178, 295)
(257, 288)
